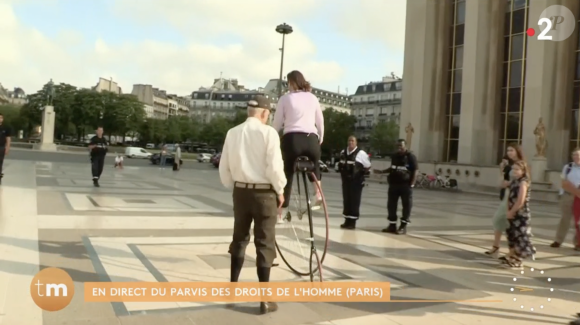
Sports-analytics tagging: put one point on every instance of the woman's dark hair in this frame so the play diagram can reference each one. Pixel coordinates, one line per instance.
(297, 78)
(519, 152)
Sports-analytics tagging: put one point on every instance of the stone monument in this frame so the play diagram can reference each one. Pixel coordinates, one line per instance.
(48, 119)
(540, 162)
(409, 130)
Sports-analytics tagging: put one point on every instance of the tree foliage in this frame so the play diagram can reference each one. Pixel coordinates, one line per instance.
(338, 126)
(384, 136)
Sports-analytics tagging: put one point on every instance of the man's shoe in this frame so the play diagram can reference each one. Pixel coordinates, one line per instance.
(348, 226)
(391, 229)
(555, 244)
(402, 229)
(96, 183)
(268, 307)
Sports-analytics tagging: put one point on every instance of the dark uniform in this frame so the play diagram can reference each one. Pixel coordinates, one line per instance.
(98, 154)
(401, 173)
(5, 133)
(352, 173)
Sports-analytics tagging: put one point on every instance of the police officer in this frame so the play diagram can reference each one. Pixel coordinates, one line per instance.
(98, 149)
(5, 135)
(401, 177)
(353, 166)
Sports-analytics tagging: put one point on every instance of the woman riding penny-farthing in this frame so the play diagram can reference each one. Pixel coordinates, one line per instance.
(302, 227)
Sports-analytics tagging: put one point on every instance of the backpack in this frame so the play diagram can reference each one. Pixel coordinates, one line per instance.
(568, 169)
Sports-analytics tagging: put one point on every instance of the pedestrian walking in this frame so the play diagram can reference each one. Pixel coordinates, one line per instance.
(514, 153)
(5, 140)
(519, 216)
(98, 150)
(353, 165)
(401, 178)
(163, 156)
(251, 164)
(177, 160)
(570, 190)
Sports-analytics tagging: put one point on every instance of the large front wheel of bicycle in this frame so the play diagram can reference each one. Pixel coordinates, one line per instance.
(296, 234)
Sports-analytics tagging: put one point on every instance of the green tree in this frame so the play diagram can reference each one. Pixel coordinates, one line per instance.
(338, 126)
(384, 136)
(214, 132)
(240, 117)
(31, 112)
(85, 111)
(63, 101)
(12, 117)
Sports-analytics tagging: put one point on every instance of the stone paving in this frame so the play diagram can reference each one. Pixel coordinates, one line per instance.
(146, 224)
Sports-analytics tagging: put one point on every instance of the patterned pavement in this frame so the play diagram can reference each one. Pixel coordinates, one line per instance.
(146, 224)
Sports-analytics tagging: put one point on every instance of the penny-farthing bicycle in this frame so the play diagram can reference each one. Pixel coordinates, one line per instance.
(296, 240)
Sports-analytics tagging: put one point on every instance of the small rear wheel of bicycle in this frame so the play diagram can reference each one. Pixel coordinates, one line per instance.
(302, 227)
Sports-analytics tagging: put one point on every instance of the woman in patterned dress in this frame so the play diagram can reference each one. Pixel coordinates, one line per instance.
(518, 216)
(513, 153)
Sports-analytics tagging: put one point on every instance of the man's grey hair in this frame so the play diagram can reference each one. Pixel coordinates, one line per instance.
(253, 111)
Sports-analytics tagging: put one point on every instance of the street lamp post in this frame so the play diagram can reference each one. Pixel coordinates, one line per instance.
(283, 29)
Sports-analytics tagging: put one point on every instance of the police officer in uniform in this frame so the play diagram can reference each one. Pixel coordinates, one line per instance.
(401, 177)
(5, 135)
(354, 165)
(98, 149)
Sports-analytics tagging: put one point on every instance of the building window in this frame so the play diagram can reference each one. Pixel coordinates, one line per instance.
(575, 127)
(514, 67)
(455, 80)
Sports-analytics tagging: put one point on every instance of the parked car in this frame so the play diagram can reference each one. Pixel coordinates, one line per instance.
(216, 160)
(203, 157)
(323, 167)
(136, 152)
(156, 159)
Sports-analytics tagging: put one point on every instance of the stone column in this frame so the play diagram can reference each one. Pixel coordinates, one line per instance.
(426, 48)
(548, 92)
(482, 63)
(47, 135)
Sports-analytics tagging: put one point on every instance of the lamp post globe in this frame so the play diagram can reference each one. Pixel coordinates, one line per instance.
(283, 29)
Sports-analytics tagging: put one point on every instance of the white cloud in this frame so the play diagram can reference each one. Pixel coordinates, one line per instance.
(29, 57)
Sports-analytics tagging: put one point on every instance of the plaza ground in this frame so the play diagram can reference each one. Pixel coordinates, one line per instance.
(147, 224)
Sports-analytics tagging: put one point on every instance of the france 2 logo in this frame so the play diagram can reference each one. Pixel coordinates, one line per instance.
(556, 23)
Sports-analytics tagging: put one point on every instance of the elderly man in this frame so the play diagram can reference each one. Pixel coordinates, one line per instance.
(570, 190)
(251, 164)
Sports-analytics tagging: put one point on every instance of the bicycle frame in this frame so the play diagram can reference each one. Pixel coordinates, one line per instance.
(313, 252)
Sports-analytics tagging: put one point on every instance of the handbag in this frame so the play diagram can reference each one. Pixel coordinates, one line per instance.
(500, 222)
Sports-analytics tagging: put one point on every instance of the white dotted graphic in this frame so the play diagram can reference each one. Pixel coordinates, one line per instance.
(523, 288)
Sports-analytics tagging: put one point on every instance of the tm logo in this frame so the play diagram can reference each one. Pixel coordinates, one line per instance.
(557, 23)
(52, 289)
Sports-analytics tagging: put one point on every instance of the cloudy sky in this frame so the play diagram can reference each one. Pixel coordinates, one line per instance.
(180, 45)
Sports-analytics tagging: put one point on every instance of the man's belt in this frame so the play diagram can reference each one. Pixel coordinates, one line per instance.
(253, 186)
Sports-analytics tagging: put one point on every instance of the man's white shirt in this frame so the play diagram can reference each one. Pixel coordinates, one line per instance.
(361, 157)
(251, 154)
(573, 175)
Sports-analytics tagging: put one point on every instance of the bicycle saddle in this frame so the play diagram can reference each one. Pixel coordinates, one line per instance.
(304, 164)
